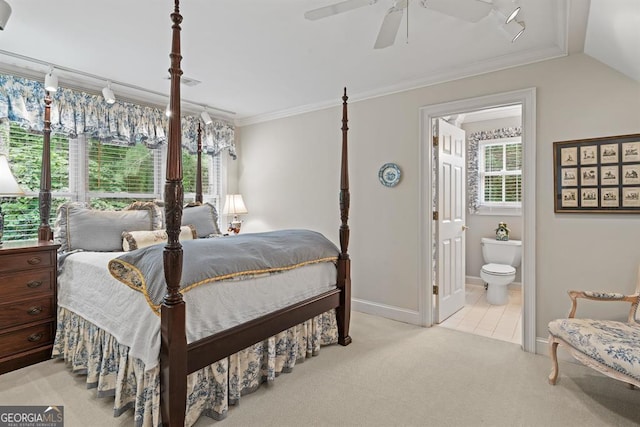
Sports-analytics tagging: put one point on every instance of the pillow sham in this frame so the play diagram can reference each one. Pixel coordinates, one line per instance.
(204, 217)
(78, 227)
(132, 240)
(157, 213)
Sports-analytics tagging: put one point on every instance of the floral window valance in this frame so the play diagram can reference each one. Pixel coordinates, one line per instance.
(74, 113)
(472, 161)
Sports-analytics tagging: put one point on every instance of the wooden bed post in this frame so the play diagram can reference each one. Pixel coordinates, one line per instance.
(173, 348)
(199, 167)
(343, 312)
(44, 230)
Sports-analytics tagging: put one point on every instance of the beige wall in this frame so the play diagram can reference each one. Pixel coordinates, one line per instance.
(288, 172)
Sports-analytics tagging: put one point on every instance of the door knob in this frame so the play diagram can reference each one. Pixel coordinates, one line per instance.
(465, 228)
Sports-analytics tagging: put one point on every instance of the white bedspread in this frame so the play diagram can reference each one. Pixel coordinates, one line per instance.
(86, 287)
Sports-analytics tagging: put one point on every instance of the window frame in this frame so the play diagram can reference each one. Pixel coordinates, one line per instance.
(78, 185)
(497, 208)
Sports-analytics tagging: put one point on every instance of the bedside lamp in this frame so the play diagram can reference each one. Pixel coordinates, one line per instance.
(234, 205)
(8, 187)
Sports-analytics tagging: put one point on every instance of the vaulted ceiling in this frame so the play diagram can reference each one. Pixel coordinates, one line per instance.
(259, 59)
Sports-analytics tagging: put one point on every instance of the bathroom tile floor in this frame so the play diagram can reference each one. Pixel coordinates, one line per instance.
(502, 322)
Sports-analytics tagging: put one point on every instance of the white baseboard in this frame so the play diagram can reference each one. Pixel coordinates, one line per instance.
(388, 311)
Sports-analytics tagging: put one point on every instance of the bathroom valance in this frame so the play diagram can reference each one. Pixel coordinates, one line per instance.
(75, 112)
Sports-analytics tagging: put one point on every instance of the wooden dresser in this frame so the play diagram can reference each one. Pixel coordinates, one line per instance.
(27, 303)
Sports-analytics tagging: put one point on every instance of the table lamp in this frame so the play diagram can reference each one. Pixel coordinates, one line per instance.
(8, 187)
(234, 205)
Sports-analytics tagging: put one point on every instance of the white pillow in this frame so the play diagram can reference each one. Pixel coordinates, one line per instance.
(132, 240)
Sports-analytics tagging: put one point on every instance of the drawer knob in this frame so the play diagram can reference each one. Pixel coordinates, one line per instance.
(34, 284)
(34, 260)
(35, 310)
(35, 337)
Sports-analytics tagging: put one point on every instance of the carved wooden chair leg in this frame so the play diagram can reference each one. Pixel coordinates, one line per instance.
(553, 352)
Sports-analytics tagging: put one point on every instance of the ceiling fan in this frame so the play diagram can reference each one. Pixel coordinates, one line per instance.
(466, 10)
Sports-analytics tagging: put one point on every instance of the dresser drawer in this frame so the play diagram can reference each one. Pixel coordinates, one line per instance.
(27, 260)
(27, 311)
(26, 339)
(26, 284)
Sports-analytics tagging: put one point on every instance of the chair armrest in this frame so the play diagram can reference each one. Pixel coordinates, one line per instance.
(603, 296)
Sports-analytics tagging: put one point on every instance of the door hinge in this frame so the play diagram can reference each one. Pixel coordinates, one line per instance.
(435, 141)
(435, 215)
(435, 289)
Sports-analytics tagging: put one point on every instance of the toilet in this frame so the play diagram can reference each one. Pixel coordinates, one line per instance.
(501, 257)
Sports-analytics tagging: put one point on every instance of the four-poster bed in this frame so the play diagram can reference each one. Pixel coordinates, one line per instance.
(180, 356)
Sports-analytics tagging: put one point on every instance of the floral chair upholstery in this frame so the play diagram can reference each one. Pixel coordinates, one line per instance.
(610, 347)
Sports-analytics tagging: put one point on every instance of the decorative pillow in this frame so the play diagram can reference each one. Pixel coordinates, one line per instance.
(204, 217)
(132, 240)
(157, 213)
(79, 227)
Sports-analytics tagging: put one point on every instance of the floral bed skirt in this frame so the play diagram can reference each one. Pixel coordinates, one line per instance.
(89, 350)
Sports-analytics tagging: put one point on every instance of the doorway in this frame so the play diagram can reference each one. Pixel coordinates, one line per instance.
(525, 100)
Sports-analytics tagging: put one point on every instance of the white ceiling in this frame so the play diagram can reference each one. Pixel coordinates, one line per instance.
(261, 59)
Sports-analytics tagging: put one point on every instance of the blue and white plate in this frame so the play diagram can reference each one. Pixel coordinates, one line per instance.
(389, 174)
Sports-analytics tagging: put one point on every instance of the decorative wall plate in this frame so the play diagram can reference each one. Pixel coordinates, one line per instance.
(389, 174)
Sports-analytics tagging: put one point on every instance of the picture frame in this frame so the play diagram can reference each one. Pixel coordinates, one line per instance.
(597, 175)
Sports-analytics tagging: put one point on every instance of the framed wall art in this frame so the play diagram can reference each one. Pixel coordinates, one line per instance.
(597, 175)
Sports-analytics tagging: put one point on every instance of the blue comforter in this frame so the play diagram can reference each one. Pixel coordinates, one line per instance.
(211, 260)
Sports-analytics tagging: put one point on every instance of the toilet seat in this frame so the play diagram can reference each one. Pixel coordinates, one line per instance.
(498, 269)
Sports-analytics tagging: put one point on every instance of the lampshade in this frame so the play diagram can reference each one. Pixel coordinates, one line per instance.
(8, 184)
(234, 205)
(206, 118)
(107, 93)
(50, 81)
(5, 13)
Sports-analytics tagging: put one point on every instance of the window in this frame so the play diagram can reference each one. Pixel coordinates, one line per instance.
(21, 214)
(500, 173)
(108, 175)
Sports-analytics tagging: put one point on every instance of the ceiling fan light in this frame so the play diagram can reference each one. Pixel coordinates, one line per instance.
(5, 13)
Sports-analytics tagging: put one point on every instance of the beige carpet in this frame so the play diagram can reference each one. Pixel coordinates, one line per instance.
(393, 374)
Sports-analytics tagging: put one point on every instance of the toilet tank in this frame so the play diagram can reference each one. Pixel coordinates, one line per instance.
(502, 251)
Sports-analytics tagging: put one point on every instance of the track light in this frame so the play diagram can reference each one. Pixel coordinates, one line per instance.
(50, 81)
(107, 93)
(508, 9)
(512, 29)
(5, 13)
(206, 118)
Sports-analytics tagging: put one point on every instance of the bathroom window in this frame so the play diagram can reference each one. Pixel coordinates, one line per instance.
(500, 174)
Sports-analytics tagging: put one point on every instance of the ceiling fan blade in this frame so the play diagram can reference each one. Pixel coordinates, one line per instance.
(390, 26)
(466, 10)
(337, 8)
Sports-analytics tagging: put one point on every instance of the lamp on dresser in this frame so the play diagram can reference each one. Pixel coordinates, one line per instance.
(234, 205)
(8, 187)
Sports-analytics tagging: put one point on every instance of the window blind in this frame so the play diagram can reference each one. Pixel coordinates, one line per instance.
(501, 173)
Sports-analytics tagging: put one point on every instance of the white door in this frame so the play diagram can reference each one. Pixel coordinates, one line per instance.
(450, 223)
